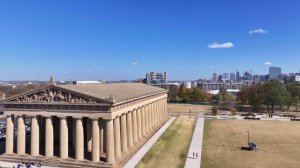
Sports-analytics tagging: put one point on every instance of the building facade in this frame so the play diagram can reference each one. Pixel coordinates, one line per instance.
(274, 72)
(156, 78)
(102, 124)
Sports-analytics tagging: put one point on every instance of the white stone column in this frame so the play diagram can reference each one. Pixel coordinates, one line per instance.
(139, 123)
(124, 144)
(64, 138)
(79, 148)
(166, 108)
(163, 102)
(150, 116)
(155, 114)
(143, 121)
(49, 138)
(95, 140)
(110, 147)
(35, 137)
(9, 143)
(146, 119)
(117, 133)
(159, 108)
(129, 129)
(134, 126)
(21, 137)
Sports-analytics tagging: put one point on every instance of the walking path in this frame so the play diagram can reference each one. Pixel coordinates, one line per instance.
(196, 145)
(144, 149)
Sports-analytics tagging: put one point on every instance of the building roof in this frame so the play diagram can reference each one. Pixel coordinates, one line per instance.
(119, 91)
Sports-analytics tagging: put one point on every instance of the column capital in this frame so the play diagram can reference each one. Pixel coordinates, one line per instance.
(77, 117)
(47, 116)
(94, 118)
(7, 115)
(62, 117)
(19, 115)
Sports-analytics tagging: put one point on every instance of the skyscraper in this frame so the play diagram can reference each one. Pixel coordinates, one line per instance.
(226, 76)
(238, 76)
(274, 72)
(220, 78)
(232, 76)
(215, 77)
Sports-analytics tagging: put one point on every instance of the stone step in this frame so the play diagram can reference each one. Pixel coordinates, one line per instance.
(55, 161)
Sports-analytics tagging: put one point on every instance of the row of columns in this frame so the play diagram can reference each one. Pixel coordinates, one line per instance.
(126, 130)
(49, 137)
(122, 133)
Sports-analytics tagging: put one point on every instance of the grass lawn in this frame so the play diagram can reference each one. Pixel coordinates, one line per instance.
(278, 144)
(171, 149)
(175, 108)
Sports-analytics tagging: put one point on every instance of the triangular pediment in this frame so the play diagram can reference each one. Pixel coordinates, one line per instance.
(54, 94)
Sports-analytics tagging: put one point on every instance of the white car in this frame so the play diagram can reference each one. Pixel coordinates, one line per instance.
(260, 115)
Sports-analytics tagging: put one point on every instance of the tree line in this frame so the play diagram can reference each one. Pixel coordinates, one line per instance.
(270, 94)
(187, 95)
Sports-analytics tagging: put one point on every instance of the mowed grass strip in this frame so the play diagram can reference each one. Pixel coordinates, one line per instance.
(278, 144)
(172, 147)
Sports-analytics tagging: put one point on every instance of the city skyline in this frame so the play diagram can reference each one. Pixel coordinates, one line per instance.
(115, 41)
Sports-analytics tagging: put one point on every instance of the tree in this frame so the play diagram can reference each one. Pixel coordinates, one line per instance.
(252, 95)
(274, 93)
(294, 95)
(183, 93)
(198, 95)
(173, 91)
(228, 97)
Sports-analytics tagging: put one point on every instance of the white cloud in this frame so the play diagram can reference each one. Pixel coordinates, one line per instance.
(221, 45)
(258, 31)
(135, 63)
(90, 71)
(268, 63)
(65, 72)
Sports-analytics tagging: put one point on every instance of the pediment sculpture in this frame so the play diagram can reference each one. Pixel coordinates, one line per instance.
(53, 96)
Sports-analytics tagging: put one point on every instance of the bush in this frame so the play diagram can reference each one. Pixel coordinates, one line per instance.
(214, 110)
(233, 111)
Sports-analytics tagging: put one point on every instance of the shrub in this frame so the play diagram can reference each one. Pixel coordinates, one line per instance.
(214, 110)
(233, 111)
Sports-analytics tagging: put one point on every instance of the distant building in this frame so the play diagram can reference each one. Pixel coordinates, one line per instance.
(156, 78)
(85, 82)
(232, 77)
(218, 85)
(188, 84)
(225, 76)
(215, 77)
(237, 76)
(220, 78)
(274, 72)
(247, 76)
(297, 78)
(194, 84)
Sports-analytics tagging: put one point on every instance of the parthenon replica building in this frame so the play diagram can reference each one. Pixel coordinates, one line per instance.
(96, 124)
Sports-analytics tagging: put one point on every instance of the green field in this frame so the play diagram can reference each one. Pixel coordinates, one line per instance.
(171, 149)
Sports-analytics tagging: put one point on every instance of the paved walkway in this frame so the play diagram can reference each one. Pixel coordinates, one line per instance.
(144, 149)
(196, 145)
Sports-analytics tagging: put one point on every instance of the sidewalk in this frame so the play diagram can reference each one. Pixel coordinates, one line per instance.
(196, 145)
(144, 149)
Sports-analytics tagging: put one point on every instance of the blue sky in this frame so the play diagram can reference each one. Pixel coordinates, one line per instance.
(113, 40)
